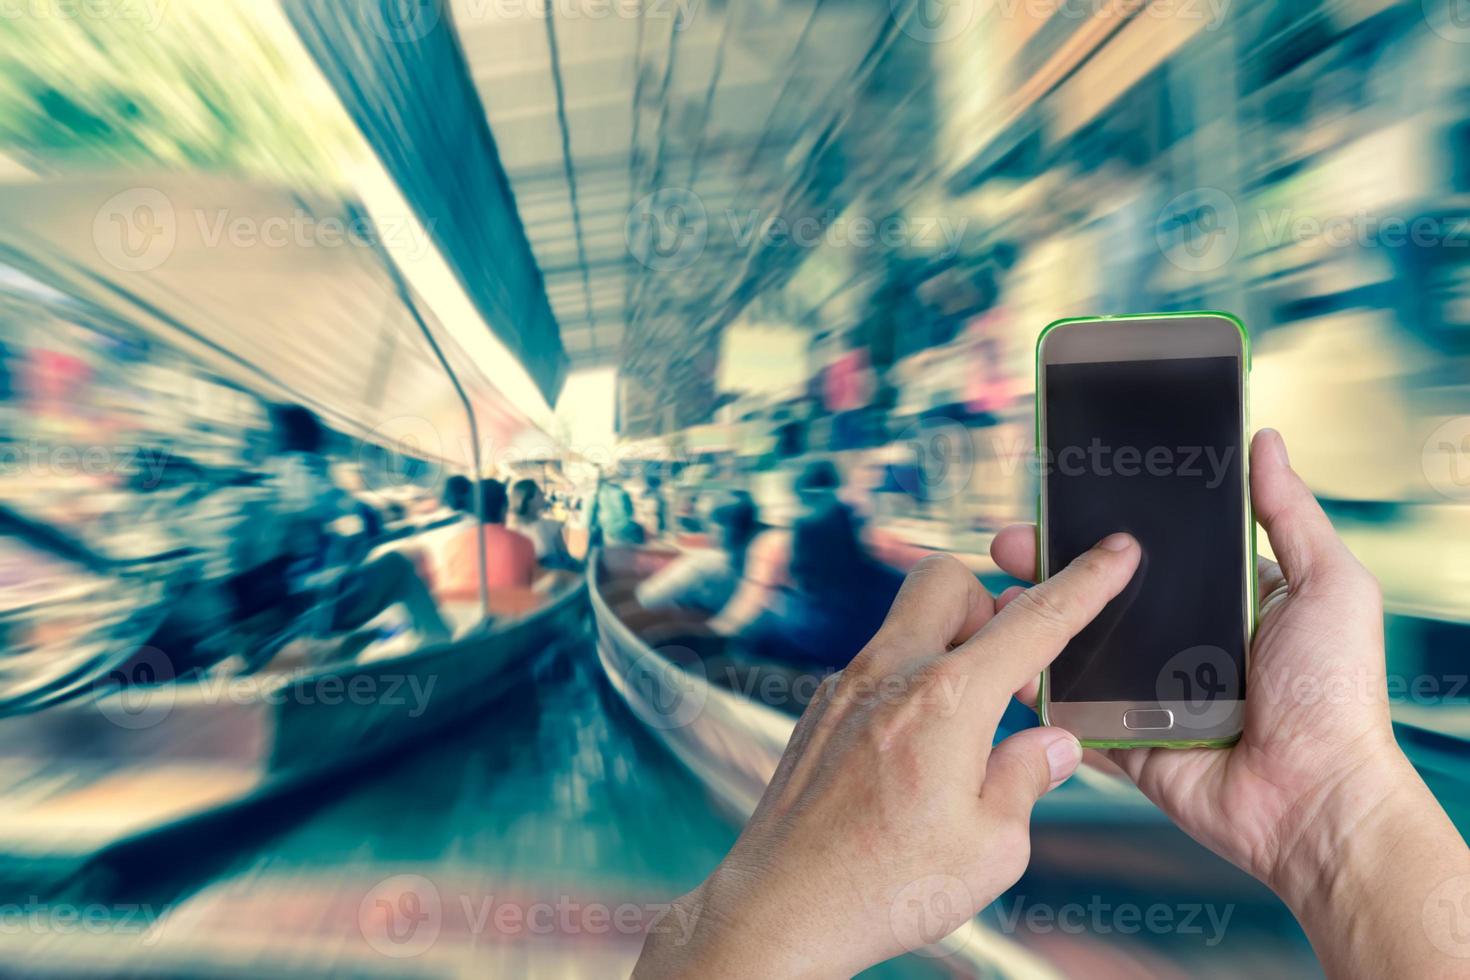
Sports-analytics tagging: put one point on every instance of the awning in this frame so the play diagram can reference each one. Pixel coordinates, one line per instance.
(276, 292)
(401, 75)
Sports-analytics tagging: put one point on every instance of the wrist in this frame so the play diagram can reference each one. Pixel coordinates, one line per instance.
(1360, 880)
(709, 941)
(697, 949)
(1340, 835)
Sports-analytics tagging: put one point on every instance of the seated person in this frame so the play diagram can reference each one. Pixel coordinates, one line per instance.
(283, 543)
(704, 579)
(528, 516)
(373, 587)
(767, 567)
(817, 484)
(612, 519)
(686, 515)
(651, 510)
(459, 494)
(428, 549)
(510, 557)
(838, 595)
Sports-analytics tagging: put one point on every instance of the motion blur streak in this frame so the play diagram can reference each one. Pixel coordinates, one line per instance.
(742, 300)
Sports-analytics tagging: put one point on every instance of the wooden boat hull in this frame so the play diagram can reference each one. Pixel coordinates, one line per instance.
(730, 742)
(414, 695)
(186, 762)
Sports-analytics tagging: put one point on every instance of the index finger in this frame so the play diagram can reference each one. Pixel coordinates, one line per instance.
(1014, 550)
(941, 604)
(1025, 636)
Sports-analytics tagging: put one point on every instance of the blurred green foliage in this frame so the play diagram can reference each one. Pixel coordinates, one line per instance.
(153, 82)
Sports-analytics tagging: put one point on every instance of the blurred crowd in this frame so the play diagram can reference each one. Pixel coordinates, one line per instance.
(146, 504)
(785, 582)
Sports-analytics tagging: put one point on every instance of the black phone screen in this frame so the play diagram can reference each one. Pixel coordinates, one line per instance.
(1151, 447)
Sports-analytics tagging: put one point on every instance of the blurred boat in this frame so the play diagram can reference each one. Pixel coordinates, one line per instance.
(729, 741)
(107, 783)
(181, 756)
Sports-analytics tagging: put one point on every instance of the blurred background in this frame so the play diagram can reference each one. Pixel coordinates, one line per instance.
(443, 442)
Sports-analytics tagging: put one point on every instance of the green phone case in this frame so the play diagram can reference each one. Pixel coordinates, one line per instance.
(1250, 530)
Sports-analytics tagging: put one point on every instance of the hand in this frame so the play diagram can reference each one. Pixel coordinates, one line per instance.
(890, 820)
(1316, 775)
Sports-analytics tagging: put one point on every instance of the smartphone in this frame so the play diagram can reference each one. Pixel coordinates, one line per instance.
(1141, 427)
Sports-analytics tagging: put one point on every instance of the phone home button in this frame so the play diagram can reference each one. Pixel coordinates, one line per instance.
(1148, 719)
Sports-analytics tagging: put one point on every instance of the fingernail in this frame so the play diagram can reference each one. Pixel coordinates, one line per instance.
(1062, 757)
(1278, 446)
(1116, 542)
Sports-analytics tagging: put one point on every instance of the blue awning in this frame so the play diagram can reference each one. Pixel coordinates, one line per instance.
(400, 73)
